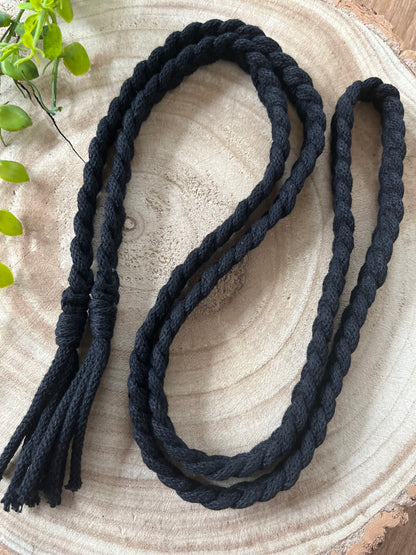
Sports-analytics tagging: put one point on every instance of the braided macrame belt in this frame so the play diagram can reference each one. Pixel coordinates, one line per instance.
(57, 417)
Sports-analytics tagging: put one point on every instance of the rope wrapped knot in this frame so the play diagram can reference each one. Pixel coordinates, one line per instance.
(56, 420)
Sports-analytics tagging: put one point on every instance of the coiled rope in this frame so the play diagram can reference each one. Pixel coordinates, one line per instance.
(57, 418)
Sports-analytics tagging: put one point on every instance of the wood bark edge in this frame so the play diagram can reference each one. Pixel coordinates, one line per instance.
(380, 25)
(371, 536)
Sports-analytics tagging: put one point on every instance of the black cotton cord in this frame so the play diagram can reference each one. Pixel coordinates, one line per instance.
(57, 418)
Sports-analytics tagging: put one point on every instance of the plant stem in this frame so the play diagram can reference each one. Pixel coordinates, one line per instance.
(39, 27)
(9, 32)
(54, 83)
(38, 97)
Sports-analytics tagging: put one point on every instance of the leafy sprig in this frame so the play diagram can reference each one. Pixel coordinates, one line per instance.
(12, 118)
(24, 44)
(22, 47)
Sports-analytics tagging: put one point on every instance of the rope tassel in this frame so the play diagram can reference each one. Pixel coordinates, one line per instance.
(49, 430)
(53, 429)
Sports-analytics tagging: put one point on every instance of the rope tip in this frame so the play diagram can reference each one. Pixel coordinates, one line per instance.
(11, 502)
(73, 484)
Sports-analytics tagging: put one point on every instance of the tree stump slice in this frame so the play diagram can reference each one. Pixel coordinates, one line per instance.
(236, 359)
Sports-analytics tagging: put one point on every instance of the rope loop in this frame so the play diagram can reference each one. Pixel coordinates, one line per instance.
(57, 418)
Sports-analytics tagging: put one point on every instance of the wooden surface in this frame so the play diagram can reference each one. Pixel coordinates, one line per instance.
(396, 21)
(401, 540)
(402, 15)
(236, 359)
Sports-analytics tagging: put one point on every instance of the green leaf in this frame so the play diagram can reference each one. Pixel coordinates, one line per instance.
(4, 19)
(24, 70)
(76, 58)
(27, 40)
(6, 276)
(64, 9)
(13, 172)
(31, 22)
(52, 42)
(25, 6)
(9, 50)
(37, 4)
(13, 118)
(9, 224)
(20, 29)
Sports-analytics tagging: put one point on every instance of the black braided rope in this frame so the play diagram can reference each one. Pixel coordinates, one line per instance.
(57, 417)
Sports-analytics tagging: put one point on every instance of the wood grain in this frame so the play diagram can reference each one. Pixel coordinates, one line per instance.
(238, 356)
(402, 16)
(398, 26)
(396, 22)
(401, 540)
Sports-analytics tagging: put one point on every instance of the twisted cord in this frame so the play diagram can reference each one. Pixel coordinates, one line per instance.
(313, 399)
(57, 418)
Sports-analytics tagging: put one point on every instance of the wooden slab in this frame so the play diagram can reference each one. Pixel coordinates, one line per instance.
(396, 21)
(238, 356)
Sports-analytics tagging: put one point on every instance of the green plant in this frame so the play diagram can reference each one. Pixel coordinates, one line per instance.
(39, 36)
(22, 46)
(12, 118)
(9, 225)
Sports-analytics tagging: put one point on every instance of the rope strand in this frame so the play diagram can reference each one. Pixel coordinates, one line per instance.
(57, 418)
